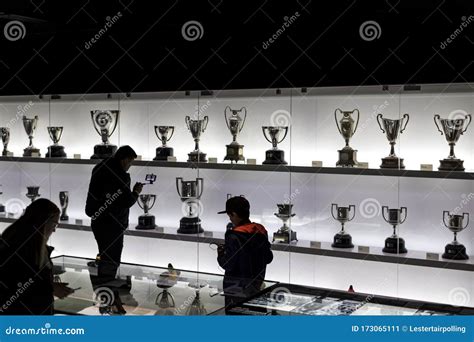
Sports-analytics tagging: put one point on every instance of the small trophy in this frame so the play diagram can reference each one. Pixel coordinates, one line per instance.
(55, 150)
(394, 244)
(196, 308)
(285, 234)
(164, 134)
(32, 192)
(235, 124)
(347, 127)
(343, 215)
(64, 202)
(165, 281)
(196, 127)
(105, 122)
(272, 134)
(5, 131)
(391, 128)
(146, 202)
(30, 127)
(190, 192)
(455, 223)
(453, 129)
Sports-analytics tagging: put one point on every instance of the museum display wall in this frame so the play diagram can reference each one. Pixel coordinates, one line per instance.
(317, 190)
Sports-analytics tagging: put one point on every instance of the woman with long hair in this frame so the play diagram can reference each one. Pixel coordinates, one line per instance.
(26, 270)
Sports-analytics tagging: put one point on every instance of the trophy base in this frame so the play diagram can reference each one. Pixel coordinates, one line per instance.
(146, 222)
(235, 153)
(347, 158)
(455, 252)
(162, 153)
(64, 218)
(190, 225)
(103, 151)
(28, 152)
(197, 157)
(284, 236)
(451, 165)
(275, 157)
(394, 246)
(342, 241)
(55, 151)
(392, 163)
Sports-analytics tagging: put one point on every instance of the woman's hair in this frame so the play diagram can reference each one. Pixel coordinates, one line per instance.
(27, 235)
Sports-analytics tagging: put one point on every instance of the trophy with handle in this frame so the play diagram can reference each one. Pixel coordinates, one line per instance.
(347, 126)
(30, 126)
(32, 192)
(146, 221)
(456, 224)
(343, 215)
(235, 123)
(196, 127)
(5, 132)
(394, 244)
(273, 136)
(64, 202)
(164, 134)
(392, 128)
(105, 122)
(285, 234)
(55, 150)
(190, 193)
(452, 129)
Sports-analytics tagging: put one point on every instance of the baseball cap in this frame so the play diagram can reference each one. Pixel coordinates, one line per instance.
(236, 204)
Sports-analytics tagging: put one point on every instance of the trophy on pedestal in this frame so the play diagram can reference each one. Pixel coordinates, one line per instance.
(64, 202)
(166, 280)
(285, 234)
(392, 128)
(196, 127)
(146, 202)
(32, 192)
(453, 129)
(347, 127)
(196, 308)
(190, 192)
(235, 124)
(394, 244)
(105, 122)
(455, 223)
(343, 215)
(30, 126)
(164, 134)
(55, 150)
(5, 132)
(272, 134)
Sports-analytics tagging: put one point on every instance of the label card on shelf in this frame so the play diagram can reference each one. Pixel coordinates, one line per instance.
(139, 157)
(317, 163)
(426, 167)
(35, 154)
(159, 230)
(79, 222)
(207, 234)
(251, 161)
(171, 159)
(363, 165)
(77, 156)
(432, 256)
(9, 154)
(212, 160)
(315, 244)
(363, 249)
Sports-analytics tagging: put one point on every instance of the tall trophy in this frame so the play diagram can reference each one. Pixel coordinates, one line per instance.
(164, 134)
(394, 244)
(55, 150)
(64, 202)
(146, 202)
(392, 128)
(272, 134)
(285, 234)
(5, 132)
(32, 192)
(456, 224)
(105, 122)
(235, 124)
(30, 126)
(452, 129)
(343, 215)
(190, 192)
(196, 127)
(347, 127)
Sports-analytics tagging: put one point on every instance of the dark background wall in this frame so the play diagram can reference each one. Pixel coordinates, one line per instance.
(144, 48)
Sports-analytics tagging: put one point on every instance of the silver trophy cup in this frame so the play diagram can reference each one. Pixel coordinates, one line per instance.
(196, 127)
(273, 134)
(394, 244)
(235, 123)
(456, 224)
(105, 122)
(55, 150)
(164, 134)
(343, 215)
(32, 192)
(190, 192)
(452, 129)
(30, 126)
(146, 202)
(347, 126)
(5, 132)
(392, 128)
(285, 234)
(64, 202)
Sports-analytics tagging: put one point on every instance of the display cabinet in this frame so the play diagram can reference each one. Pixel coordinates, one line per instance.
(369, 200)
